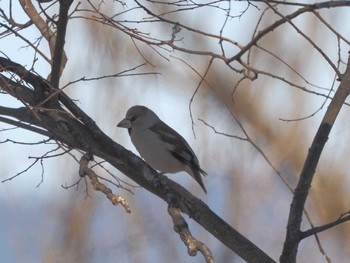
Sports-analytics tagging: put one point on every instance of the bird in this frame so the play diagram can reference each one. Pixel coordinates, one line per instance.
(159, 145)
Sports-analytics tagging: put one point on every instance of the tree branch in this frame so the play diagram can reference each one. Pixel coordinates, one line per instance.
(24, 126)
(58, 64)
(48, 34)
(40, 24)
(98, 186)
(267, 30)
(192, 244)
(301, 192)
(319, 229)
(80, 132)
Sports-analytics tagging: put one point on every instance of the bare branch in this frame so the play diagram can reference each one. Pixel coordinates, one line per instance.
(98, 186)
(192, 244)
(25, 126)
(284, 19)
(22, 172)
(301, 192)
(44, 29)
(48, 111)
(343, 218)
(59, 57)
(123, 73)
(323, 54)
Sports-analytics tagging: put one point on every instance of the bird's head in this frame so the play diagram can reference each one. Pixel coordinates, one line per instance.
(139, 117)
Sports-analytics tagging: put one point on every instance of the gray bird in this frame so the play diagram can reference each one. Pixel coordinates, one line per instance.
(159, 145)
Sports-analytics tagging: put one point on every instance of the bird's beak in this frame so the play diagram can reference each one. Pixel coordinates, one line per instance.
(125, 123)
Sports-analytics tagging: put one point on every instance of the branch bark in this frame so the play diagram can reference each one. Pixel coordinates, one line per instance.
(58, 55)
(181, 227)
(75, 129)
(98, 186)
(315, 230)
(294, 234)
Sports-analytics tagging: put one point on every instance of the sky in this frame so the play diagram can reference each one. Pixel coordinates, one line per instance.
(35, 211)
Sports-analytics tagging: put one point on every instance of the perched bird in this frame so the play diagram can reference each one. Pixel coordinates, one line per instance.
(159, 145)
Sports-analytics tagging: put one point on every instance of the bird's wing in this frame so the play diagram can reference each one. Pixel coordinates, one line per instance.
(180, 149)
(178, 146)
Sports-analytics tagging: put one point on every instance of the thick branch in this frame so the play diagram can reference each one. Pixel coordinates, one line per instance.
(23, 114)
(45, 30)
(141, 173)
(57, 63)
(16, 89)
(293, 236)
(79, 131)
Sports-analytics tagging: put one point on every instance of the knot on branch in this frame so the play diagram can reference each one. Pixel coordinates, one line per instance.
(84, 170)
(181, 227)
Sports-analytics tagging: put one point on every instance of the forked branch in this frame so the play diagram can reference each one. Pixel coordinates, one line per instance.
(294, 234)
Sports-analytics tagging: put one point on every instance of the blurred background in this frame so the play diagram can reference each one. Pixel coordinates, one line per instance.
(41, 221)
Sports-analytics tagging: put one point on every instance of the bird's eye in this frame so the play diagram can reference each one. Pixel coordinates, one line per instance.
(133, 118)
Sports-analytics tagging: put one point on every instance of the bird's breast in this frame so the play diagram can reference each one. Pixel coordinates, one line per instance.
(156, 152)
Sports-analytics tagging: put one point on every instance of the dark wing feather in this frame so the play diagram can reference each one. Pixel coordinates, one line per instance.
(181, 149)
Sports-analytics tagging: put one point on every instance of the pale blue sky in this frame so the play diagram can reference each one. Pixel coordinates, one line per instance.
(25, 221)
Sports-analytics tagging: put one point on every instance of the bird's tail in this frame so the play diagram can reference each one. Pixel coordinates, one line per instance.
(196, 174)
